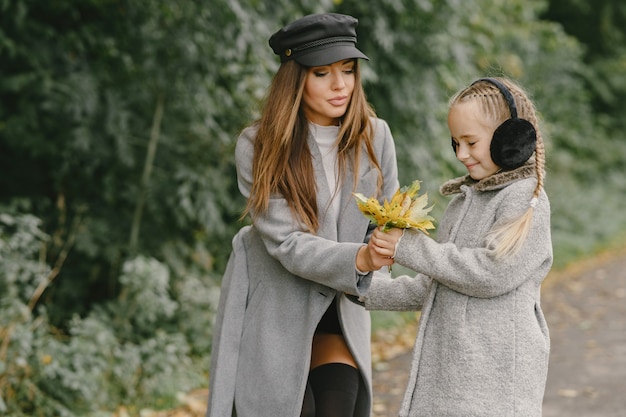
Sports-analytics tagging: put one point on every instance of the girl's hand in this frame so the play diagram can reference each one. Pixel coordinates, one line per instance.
(380, 250)
(367, 259)
(384, 243)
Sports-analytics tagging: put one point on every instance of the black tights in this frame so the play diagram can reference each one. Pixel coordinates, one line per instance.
(332, 391)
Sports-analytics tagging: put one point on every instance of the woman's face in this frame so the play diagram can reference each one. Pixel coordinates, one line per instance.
(327, 92)
(472, 135)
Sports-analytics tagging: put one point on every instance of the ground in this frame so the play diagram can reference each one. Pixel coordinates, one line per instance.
(585, 307)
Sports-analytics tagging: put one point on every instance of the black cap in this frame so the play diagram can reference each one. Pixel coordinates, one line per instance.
(317, 39)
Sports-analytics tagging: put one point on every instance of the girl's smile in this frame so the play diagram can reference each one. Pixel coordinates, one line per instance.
(472, 135)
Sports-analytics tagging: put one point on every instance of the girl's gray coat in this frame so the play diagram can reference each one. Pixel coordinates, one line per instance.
(279, 282)
(482, 345)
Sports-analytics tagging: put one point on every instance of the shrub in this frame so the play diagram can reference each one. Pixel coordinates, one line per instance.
(136, 350)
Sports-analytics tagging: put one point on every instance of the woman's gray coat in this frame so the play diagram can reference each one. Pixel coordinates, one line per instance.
(279, 282)
(482, 345)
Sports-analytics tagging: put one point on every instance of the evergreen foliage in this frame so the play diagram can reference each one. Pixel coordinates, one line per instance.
(118, 197)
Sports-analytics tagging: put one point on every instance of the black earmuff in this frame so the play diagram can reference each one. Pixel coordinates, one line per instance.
(514, 141)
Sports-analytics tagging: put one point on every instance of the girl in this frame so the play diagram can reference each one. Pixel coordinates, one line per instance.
(287, 342)
(482, 345)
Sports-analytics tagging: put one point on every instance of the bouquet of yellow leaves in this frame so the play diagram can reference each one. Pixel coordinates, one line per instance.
(406, 210)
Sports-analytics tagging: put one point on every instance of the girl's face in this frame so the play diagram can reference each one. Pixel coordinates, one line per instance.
(327, 92)
(472, 134)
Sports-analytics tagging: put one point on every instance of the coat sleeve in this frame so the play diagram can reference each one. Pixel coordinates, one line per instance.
(303, 254)
(474, 271)
(403, 293)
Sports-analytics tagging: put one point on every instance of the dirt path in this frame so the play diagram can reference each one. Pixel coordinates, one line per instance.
(585, 307)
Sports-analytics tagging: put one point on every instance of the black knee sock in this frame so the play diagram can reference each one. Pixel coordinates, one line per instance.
(308, 405)
(335, 389)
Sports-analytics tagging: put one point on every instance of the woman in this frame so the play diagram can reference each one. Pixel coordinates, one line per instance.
(287, 341)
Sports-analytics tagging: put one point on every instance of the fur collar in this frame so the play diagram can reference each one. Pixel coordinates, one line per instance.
(493, 182)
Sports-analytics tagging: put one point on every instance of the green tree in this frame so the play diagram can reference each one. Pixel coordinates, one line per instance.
(595, 159)
(601, 28)
(118, 197)
(104, 100)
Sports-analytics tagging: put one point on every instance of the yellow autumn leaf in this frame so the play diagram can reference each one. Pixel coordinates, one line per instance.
(405, 210)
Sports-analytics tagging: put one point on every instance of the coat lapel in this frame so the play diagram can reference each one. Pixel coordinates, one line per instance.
(351, 226)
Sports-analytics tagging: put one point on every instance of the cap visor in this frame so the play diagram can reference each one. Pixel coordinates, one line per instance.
(329, 55)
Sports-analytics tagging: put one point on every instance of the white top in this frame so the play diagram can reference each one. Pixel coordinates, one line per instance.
(326, 138)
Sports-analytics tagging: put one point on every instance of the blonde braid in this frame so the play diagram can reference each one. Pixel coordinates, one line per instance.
(509, 238)
(540, 153)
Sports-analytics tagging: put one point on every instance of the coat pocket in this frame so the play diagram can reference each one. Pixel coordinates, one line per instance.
(255, 299)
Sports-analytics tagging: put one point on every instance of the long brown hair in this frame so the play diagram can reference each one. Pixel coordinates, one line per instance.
(508, 238)
(282, 162)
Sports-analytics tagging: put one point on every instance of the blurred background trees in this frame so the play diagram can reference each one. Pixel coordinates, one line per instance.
(118, 193)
